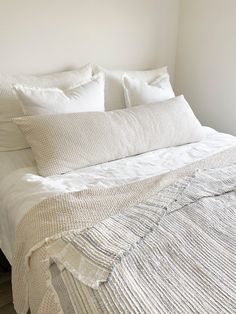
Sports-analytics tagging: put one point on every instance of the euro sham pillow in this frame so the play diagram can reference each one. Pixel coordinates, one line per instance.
(114, 94)
(10, 136)
(87, 96)
(141, 93)
(65, 142)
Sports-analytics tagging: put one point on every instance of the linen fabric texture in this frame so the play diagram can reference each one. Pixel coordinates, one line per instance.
(114, 93)
(10, 136)
(64, 142)
(140, 93)
(86, 96)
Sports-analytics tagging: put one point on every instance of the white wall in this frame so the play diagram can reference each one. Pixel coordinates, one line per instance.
(38, 36)
(206, 60)
(45, 36)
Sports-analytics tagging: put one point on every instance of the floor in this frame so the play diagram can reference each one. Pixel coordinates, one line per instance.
(6, 306)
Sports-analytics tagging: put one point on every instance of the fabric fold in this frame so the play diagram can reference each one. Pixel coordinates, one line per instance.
(77, 212)
(92, 254)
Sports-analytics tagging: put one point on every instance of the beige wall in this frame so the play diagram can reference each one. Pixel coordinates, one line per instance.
(206, 60)
(38, 36)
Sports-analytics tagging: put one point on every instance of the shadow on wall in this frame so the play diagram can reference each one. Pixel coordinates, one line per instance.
(205, 61)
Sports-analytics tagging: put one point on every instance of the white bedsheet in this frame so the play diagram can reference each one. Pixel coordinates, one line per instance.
(13, 160)
(23, 188)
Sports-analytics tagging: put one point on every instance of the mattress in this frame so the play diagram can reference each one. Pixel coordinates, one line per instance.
(27, 188)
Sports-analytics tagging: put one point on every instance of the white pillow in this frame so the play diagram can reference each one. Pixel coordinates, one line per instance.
(87, 96)
(10, 136)
(64, 142)
(114, 94)
(141, 93)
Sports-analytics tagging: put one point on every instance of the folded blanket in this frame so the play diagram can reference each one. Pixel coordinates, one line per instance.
(147, 247)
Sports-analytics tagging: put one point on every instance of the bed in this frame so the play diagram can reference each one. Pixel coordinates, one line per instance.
(19, 176)
(27, 188)
(114, 211)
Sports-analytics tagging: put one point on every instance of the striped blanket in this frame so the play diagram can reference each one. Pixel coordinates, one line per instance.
(174, 252)
(162, 245)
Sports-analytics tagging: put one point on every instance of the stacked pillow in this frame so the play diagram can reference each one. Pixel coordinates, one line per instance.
(53, 114)
(10, 106)
(137, 92)
(115, 98)
(86, 96)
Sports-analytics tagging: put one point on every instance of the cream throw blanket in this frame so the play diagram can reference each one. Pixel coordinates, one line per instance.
(35, 281)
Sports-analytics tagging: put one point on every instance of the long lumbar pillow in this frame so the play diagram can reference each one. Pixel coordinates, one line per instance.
(64, 142)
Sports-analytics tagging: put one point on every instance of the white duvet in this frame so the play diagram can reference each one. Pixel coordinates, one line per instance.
(23, 188)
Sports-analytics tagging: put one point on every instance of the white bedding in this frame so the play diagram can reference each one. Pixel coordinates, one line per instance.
(23, 188)
(13, 160)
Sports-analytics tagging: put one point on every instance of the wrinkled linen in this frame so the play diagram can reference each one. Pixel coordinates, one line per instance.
(34, 279)
(24, 188)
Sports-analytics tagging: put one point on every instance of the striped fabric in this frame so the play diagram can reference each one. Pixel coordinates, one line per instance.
(36, 284)
(172, 253)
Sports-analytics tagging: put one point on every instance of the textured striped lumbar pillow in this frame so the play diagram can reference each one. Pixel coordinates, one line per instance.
(64, 142)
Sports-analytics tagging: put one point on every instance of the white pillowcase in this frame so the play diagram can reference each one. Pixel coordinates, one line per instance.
(68, 141)
(87, 96)
(10, 136)
(114, 93)
(141, 93)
